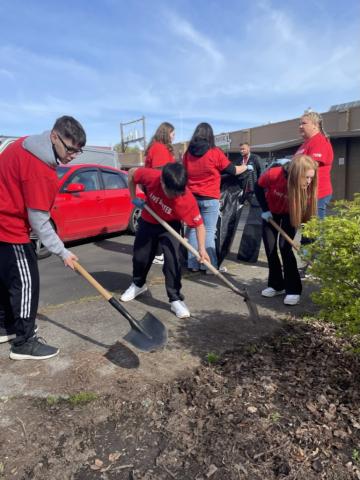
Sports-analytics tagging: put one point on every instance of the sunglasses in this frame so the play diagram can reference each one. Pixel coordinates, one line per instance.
(68, 149)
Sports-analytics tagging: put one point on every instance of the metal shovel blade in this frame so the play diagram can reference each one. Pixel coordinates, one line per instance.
(152, 336)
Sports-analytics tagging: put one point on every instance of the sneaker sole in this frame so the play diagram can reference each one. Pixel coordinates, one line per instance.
(182, 316)
(187, 315)
(279, 292)
(126, 299)
(21, 356)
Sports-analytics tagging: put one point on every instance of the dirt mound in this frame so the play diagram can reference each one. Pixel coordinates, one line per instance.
(286, 407)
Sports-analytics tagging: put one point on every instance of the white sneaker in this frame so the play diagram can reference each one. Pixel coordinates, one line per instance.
(180, 309)
(132, 292)
(159, 259)
(271, 292)
(292, 299)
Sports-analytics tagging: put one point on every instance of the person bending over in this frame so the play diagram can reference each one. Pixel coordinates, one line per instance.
(168, 196)
(287, 194)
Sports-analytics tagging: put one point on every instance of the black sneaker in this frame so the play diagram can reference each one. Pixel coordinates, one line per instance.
(8, 334)
(35, 348)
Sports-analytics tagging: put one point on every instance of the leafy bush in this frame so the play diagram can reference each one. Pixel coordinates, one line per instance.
(335, 260)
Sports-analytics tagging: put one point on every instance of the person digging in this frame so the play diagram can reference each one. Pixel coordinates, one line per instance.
(168, 196)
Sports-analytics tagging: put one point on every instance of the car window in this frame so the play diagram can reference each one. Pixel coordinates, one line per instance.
(89, 178)
(61, 171)
(113, 180)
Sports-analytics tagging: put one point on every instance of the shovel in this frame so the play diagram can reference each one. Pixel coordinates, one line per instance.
(148, 334)
(254, 314)
(284, 234)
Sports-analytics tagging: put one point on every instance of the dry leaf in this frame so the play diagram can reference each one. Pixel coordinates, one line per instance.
(311, 407)
(212, 469)
(97, 465)
(252, 409)
(114, 456)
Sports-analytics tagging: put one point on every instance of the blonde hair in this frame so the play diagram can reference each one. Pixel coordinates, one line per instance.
(162, 135)
(302, 201)
(316, 119)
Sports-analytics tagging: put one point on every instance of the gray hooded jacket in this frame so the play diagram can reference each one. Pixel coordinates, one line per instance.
(41, 147)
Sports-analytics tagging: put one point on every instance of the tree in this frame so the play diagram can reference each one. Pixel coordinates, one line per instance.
(118, 148)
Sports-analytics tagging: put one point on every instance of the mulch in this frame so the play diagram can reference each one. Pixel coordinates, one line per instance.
(286, 407)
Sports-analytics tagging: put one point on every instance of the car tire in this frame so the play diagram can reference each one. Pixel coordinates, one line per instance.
(134, 219)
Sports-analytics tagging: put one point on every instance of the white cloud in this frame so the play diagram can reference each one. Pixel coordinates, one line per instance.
(184, 29)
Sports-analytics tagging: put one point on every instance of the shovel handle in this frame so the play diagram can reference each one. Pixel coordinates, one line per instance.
(107, 295)
(284, 234)
(110, 298)
(189, 247)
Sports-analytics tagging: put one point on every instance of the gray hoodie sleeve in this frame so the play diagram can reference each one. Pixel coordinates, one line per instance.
(40, 224)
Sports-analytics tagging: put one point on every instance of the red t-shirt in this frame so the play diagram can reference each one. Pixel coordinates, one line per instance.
(25, 182)
(274, 182)
(158, 156)
(183, 208)
(204, 172)
(319, 149)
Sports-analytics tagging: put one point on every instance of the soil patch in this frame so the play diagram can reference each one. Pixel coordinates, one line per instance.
(284, 407)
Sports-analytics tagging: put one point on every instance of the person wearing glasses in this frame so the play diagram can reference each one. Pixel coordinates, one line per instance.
(28, 186)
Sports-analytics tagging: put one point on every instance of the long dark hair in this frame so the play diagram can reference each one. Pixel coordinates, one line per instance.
(162, 135)
(203, 131)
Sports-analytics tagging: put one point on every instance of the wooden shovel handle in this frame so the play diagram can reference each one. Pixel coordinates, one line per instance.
(187, 245)
(92, 281)
(284, 234)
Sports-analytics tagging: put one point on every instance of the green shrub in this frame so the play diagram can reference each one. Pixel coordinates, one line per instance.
(335, 260)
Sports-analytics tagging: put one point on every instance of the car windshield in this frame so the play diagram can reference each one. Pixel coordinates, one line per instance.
(61, 171)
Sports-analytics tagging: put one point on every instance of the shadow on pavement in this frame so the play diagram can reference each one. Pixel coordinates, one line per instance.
(115, 246)
(118, 354)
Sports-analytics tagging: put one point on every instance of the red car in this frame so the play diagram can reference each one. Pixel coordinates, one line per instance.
(92, 200)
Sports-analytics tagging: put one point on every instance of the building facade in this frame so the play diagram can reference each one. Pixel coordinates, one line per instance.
(281, 139)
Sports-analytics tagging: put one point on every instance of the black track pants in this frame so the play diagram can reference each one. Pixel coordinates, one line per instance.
(19, 289)
(290, 279)
(148, 237)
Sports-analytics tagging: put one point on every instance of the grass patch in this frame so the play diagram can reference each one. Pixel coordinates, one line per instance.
(212, 357)
(75, 400)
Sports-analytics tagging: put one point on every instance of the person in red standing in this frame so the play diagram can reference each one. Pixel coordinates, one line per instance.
(204, 163)
(168, 196)
(158, 153)
(287, 194)
(28, 185)
(318, 147)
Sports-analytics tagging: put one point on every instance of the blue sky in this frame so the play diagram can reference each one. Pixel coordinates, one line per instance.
(234, 64)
